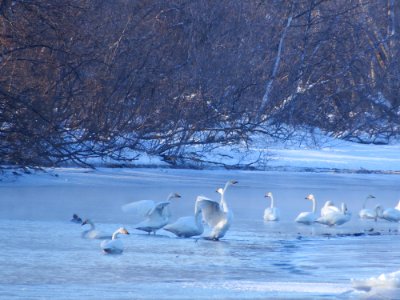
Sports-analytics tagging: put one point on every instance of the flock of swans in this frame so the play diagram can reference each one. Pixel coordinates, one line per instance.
(218, 217)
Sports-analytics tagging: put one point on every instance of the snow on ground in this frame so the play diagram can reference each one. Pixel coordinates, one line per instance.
(316, 153)
(45, 257)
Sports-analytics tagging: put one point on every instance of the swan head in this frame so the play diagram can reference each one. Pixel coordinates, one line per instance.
(122, 230)
(220, 191)
(231, 182)
(371, 197)
(310, 197)
(268, 195)
(173, 196)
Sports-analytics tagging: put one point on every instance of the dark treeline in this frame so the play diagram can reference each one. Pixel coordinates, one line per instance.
(81, 79)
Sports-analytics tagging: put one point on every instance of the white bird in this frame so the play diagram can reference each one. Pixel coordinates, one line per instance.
(217, 215)
(271, 213)
(188, 226)
(372, 214)
(114, 246)
(308, 217)
(367, 213)
(92, 233)
(385, 286)
(392, 214)
(328, 208)
(335, 217)
(156, 214)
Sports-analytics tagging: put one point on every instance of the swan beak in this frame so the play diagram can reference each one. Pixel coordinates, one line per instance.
(234, 182)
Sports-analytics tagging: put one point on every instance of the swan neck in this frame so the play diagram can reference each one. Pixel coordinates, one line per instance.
(115, 235)
(227, 185)
(92, 227)
(272, 201)
(314, 205)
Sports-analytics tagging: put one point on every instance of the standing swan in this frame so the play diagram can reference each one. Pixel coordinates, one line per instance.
(392, 214)
(328, 208)
(271, 213)
(217, 215)
(367, 213)
(188, 226)
(308, 217)
(114, 246)
(156, 214)
(335, 217)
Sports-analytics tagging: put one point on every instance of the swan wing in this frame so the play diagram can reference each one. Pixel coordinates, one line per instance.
(112, 246)
(159, 209)
(391, 214)
(211, 210)
(139, 208)
(185, 226)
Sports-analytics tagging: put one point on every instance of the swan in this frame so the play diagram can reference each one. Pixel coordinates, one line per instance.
(156, 214)
(385, 286)
(308, 217)
(92, 233)
(392, 214)
(271, 213)
(335, 217)
(373, 214)
(367, 213)
(217, 215)
(328, 208)
(114, 246)
(188, 226)
(76, 219)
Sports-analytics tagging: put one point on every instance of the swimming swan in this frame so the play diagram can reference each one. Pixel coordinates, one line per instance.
(217, 215)
(392, 214)
(92, 233)
(335, 217)
(308, 217)
(188, 226)
(114, 246)
(271, 213)
(156, 214)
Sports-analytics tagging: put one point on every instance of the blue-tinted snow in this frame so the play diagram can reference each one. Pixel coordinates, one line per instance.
(44, 257)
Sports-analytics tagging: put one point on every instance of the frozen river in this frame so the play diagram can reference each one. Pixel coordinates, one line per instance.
(44, 257)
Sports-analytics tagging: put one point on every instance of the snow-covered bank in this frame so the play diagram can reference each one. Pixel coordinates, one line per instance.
(328, 155)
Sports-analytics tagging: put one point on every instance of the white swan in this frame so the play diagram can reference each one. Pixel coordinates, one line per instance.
(367, 213)
(392, 214)
(76, 219)
(335, 217)
(217, 215)
(92, 233)
(271, 213)
(385, 286)
(156, 214)
(328, 208)
(114, 246)
(371, 214)
(308, 217)
(188, 226)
